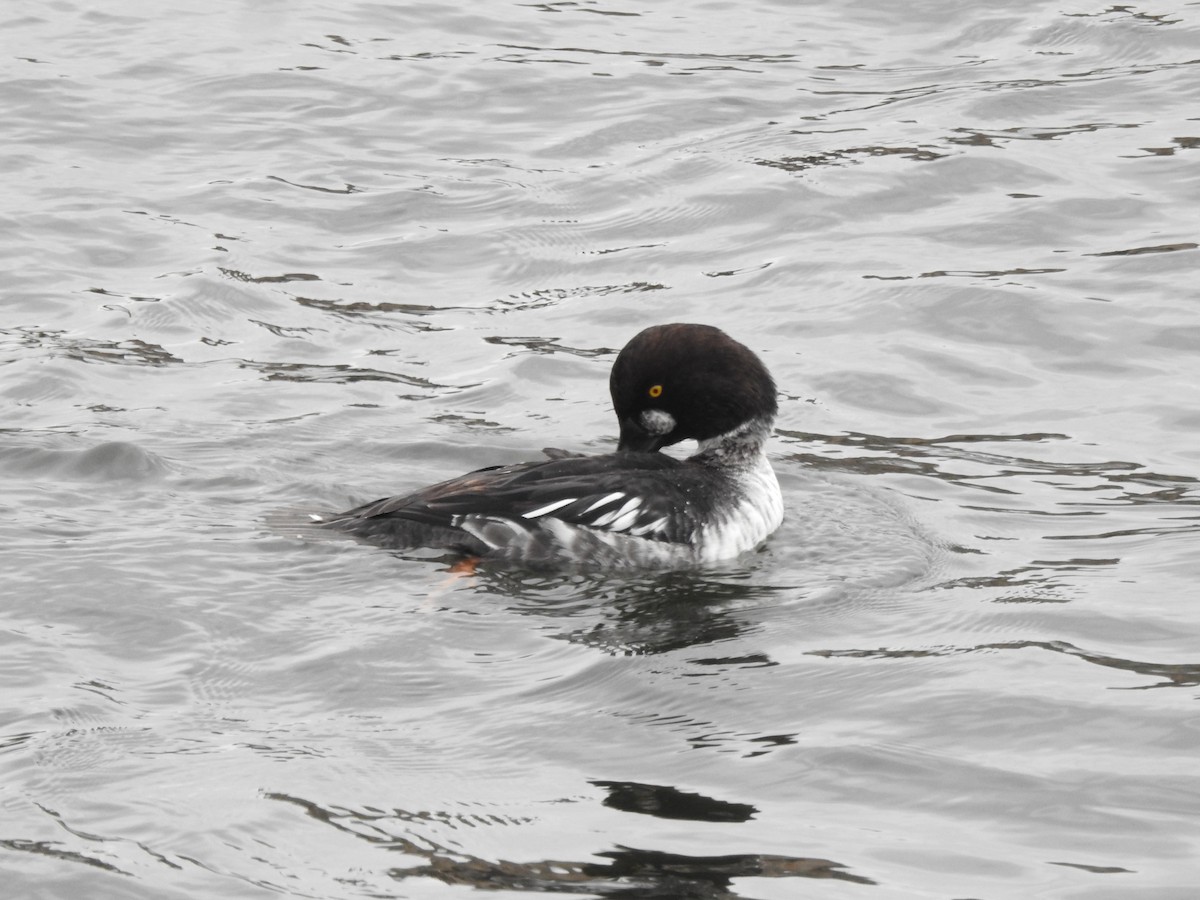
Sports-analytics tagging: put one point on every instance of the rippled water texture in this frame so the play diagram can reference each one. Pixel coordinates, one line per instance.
(267, 254)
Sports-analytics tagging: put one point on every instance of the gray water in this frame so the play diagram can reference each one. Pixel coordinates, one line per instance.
(269, 254)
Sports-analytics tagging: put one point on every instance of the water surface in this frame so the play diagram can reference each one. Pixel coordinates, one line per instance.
(273, 254)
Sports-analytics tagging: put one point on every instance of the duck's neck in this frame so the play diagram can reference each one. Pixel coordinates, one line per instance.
(739, 446)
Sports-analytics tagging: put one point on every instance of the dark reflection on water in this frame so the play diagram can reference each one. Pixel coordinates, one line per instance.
(666, 802)
(632, 873)
(1006, 474)
(900, 454)
(1172, 674)
(654, 613)
(848, 154)
(354, 309)
(130, 352)
(549, 345)
(54, 851)
(339, 374)
(1041, 582)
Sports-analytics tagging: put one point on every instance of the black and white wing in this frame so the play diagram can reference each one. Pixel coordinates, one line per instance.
(531, 510)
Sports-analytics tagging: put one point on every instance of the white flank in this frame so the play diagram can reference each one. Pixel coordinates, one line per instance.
(746, 525)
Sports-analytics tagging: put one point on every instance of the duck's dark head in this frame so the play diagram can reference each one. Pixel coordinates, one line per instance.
(678, 382)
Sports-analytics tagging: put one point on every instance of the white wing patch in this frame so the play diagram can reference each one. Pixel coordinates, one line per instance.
(618, 516)
(609, 519)
(656, 525)
(626, 516)
(607, 498)
(548, 508)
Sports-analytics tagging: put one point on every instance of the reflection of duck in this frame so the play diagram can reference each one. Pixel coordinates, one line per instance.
(627, 872)
(635, 507)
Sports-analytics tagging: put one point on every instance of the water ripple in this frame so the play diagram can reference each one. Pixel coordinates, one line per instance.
(257, 262)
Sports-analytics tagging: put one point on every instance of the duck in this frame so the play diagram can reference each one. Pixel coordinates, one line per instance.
(636, 507)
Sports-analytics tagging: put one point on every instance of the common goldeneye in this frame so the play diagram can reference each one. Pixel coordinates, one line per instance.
(634, 507)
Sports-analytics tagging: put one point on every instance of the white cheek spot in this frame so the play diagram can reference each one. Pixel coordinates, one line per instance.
(548, 508)
(657, 421)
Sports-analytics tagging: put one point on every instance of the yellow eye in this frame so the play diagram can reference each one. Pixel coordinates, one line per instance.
(655, 391)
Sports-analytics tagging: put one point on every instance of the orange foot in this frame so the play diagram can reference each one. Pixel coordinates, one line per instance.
(465, 567)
